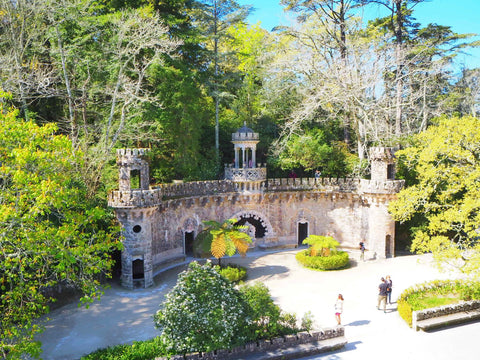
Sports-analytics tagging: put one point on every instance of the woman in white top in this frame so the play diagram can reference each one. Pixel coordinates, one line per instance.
(339, 309)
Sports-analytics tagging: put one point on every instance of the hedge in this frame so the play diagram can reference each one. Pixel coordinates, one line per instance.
(408, 300)
(336, 260)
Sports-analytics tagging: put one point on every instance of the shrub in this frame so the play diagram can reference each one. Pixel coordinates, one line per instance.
(420, 296)
(202, 244)
(405, 311)
(336, 260)
(203, 312)
(232, 272)
(268, 321)
(321, 245)
(139, 350)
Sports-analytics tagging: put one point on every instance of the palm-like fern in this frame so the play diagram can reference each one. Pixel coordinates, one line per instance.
(321, 245)
(227, 238)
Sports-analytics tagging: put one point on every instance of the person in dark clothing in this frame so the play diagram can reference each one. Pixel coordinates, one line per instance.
(382, 295)
(389, 283)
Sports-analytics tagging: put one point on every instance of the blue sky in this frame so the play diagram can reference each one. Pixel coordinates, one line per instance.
(463, 16)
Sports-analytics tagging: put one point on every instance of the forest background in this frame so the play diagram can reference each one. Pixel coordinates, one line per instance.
(81, 78)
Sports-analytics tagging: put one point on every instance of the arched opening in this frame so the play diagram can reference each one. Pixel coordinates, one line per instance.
(189, 237)
(302, 232)
(138, 271)
(260, 229)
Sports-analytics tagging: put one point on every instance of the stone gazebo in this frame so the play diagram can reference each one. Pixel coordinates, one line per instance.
(245, 172)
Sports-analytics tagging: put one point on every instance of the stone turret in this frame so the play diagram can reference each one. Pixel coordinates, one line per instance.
(382, 162)
(134, 205)
(133, 169)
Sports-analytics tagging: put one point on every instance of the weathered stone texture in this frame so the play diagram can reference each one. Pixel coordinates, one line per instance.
(155, 221)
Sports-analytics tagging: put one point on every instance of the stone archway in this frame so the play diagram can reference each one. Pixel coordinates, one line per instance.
(190, 229)
(262, 226)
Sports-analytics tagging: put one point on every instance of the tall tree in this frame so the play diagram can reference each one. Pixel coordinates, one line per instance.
(51, 232)
(446, 161)
(214, 17)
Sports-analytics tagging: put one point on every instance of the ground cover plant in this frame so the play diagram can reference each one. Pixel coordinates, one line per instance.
(434, 294)
(322, 254)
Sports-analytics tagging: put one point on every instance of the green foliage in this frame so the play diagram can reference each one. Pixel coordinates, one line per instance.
(435, 293)
(139, 350)
(268, 321)
(203, 312)
(227, 238)
(321, 245)
(446, 195)
(335, 261)
(50, 231)
(203, 244)
(233, 273)
(312, 150)
(405, 311)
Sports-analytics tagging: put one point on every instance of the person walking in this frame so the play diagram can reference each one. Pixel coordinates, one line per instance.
(339, 309)
(382, 295)
(362, 251)
(389, 289)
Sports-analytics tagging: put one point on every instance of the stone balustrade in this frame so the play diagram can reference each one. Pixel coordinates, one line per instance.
(155, 195)
(135, 198)
(242, 136)
(246, 174)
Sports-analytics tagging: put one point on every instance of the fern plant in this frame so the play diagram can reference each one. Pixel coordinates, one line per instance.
(228, 238)
(321, 245)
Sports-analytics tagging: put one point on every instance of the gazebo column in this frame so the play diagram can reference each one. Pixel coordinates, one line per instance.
(236, 157)
(243, 157)
(254, 160)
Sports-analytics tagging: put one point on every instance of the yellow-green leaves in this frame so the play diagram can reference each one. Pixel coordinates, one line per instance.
(446, 161)
(228, 238)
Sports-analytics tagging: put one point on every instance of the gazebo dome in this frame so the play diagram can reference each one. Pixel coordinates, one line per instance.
(245, 129)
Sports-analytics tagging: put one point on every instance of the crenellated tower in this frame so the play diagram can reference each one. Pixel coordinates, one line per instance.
(134, 204)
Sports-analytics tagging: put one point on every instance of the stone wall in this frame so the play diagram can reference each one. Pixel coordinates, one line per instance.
(445, 310)
(264, 345)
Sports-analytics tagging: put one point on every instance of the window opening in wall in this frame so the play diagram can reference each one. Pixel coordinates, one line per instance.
(302, 232)
(189, 237)
(137, 228)
(391, 172)
(135, 179)
(138, 269)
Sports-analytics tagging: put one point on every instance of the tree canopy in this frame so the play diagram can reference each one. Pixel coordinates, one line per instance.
(51, 233)
(446, 194)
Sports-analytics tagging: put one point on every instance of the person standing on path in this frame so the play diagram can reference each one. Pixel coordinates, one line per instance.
(389, 283)
(382, 295)
(339, 309)
(362, 251)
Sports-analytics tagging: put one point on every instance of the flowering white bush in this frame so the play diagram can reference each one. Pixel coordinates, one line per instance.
(203, 312)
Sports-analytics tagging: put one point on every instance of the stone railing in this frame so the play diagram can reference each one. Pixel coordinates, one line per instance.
(446, 315)
(262, 346)
(320, 184)
(245, 136)
(381, 187)
(135, 198)
(154, 196)
(196, 188)
(246, 174)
